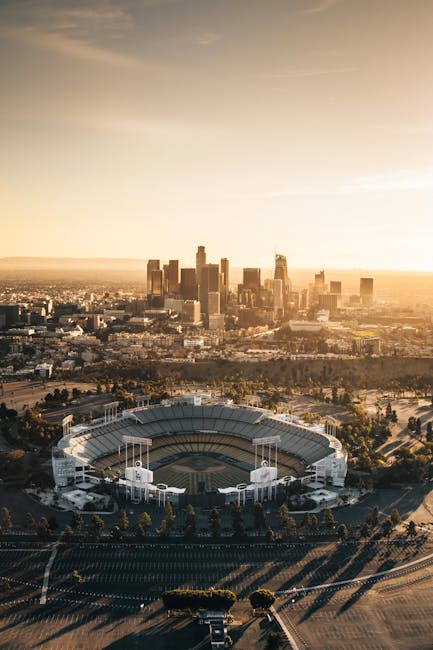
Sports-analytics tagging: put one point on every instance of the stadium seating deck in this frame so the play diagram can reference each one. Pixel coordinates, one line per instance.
(227, 430)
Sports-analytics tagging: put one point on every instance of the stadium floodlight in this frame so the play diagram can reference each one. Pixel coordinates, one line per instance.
(271, 440)
(67, 424)
(135, 440)
(111, 405)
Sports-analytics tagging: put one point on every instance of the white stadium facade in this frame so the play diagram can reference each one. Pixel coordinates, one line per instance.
(193, 444)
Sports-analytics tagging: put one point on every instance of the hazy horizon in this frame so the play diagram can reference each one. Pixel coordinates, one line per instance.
(132, 128)
(41, 263)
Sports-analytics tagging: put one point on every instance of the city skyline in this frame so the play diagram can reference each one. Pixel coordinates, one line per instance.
(302, 127)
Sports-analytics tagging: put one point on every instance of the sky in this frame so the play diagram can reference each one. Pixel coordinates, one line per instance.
(142, 128)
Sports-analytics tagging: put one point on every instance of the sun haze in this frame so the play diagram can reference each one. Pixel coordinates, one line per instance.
(132, 128)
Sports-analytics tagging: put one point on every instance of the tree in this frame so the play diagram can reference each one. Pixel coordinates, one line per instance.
(30, 521)
(69, 533)
(334, 395)
(98, 524)
(342, 532)
(237, 521)
(169, 515)
(5, 520)
(193, 599)
(388, 412)
(387, 527)
(418, 427)
(365, 531)
(314, 525)
(328, 519)
(116, 533)
(306, 520)
(215, 523)
(395, 517)
(259, 516)
(44, 530)
(262, 599)
(287, 523)
(145, 521)
(123, 521)
(77, 520)
(190, 518)
(269, 535)
(140, 531)
(164, 530)
(76, 577)
(274, 641)
(411, 529)
(429, 432)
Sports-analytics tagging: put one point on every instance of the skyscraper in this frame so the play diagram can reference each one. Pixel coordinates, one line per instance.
(251, 279)
(225, 271)
(319, 282)
(277, 292)
(200, 261)
(281, 274)
(224, 283)
(335, 287)
(210, 281)
(156, 283)
(152, 265)
(188, 284)
(366, 290)
(213, 302)
(173, 276)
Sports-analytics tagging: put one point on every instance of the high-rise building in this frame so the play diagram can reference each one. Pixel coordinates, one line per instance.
(335, 287)
(305, 299)
(280, 273)
(225, 271)
(191, 312)
(9, 314)
(366, 290)
(152, 265)
(277, 291)
(200, 261)
(210, 281)
(224, 283)
(251, 279)
(329, 301)
(213, 302)
(156, 287)
(188, 284)
(165, 279)
(319, 283)
(173, 276)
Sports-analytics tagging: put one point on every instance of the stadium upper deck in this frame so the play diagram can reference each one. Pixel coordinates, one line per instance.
(310, 443)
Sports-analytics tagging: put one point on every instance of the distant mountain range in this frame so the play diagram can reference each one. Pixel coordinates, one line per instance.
(70, 263)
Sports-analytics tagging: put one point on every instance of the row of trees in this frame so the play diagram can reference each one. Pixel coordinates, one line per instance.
(215, 599)
(194, 599)
(44, 527)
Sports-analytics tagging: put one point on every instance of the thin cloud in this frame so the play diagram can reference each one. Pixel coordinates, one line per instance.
(320, 7)
(300, 74)
(403, 180)
(75, 48)
(71, 20)
(147, 127)
(208, 38)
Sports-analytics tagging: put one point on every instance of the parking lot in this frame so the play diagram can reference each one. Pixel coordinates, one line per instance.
(118, 606)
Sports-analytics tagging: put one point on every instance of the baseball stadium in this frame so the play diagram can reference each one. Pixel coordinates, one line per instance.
(195, 445)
